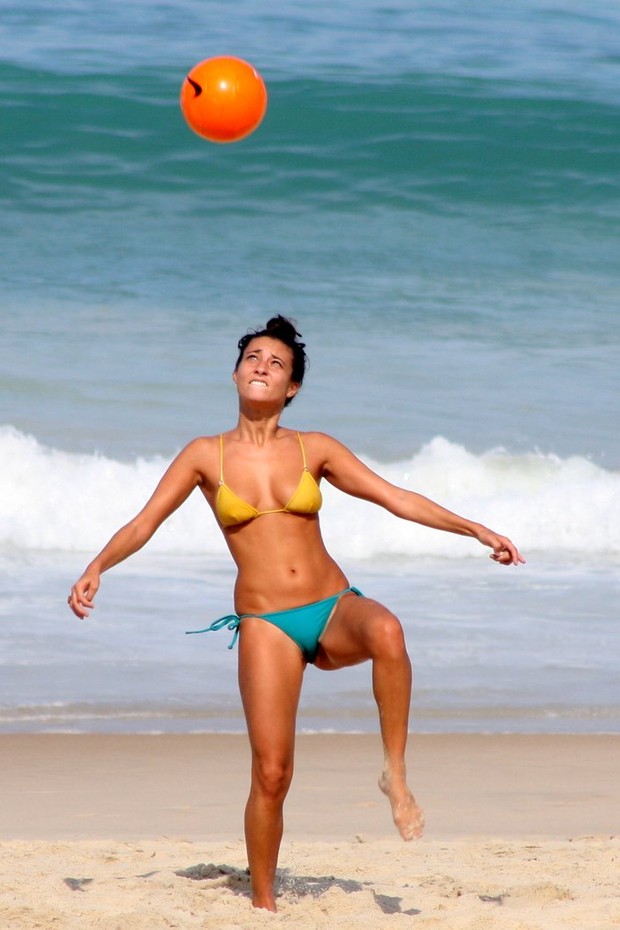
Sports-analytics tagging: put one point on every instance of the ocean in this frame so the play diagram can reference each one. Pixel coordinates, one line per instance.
(434, 197)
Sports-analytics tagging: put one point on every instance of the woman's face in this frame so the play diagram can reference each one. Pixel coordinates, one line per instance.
(265, 370)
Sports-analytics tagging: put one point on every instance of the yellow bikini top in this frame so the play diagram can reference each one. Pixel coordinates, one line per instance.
(231, 509)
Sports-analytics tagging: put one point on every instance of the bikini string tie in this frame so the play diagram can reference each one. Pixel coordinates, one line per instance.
(231, 622)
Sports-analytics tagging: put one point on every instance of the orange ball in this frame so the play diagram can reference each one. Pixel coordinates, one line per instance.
(223, 99)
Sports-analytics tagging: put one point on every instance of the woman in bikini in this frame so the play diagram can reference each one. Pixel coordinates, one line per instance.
(294, 604)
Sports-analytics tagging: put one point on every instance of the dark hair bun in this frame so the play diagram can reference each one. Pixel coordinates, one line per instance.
(281, 328)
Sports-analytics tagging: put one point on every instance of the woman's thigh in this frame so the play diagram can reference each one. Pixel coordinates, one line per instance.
(359, 629)
(271, 671)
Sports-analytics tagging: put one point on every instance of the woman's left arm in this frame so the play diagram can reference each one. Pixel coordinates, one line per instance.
(347, 473)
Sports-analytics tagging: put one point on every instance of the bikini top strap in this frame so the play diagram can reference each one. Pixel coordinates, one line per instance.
(303, 451)
(221, 459)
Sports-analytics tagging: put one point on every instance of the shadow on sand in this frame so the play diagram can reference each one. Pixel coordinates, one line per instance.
(291, 886)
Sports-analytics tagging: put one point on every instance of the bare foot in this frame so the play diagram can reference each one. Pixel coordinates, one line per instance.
(407, 816)
(263, 894)
(266, 902)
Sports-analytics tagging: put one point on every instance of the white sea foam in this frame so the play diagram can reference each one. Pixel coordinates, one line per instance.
(55, 500)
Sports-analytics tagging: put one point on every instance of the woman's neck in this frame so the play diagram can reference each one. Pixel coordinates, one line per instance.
(257, 428)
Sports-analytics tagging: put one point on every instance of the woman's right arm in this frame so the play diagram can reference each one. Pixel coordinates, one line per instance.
(186, 472)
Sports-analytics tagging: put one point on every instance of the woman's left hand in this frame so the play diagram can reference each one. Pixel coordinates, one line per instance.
(504, 550)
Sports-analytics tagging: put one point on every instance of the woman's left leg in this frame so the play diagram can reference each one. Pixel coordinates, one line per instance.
(362, 629)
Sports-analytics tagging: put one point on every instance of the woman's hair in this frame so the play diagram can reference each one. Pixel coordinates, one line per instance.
(278, 327)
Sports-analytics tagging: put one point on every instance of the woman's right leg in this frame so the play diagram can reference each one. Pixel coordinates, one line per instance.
(270, 676)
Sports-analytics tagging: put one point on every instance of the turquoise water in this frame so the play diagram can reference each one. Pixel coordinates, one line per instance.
(434, 195)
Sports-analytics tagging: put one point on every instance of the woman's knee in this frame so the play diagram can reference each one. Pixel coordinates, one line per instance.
(272, 775)
(386, 637)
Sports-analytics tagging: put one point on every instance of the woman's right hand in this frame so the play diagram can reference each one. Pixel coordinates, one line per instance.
(83, 592)
(180, 479)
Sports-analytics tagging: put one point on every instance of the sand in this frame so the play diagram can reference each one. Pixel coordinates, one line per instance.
(145, 832)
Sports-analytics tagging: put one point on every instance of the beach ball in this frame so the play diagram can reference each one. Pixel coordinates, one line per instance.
(223, 99)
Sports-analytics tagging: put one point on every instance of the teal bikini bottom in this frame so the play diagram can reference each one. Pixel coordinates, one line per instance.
(304, 625)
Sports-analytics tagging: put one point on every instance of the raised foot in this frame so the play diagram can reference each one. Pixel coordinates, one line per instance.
(408, 817)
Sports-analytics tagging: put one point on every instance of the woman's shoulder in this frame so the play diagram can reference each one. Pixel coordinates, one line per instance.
(314, 437)
(202, 442)
(201, 457)
(201, 449)
(321, 444)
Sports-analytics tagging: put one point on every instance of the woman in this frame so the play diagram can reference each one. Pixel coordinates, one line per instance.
(294, 605)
